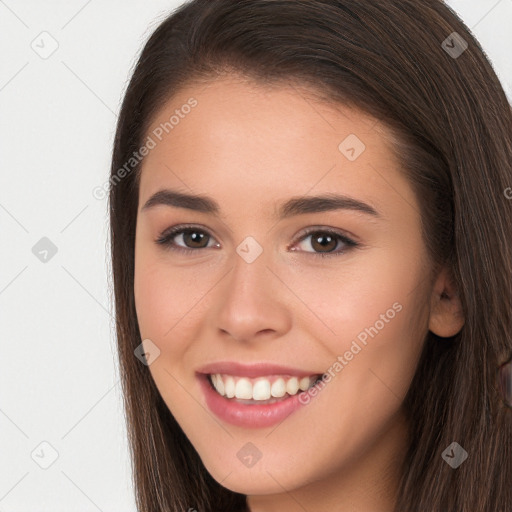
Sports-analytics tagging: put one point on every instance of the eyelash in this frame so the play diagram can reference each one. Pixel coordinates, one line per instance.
(166, 237)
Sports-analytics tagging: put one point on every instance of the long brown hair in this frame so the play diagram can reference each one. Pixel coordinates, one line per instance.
(400, 62)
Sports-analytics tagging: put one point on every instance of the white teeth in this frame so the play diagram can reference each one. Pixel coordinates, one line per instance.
(278, 388)
(292, 386)
(243, 389)
(219, 385)
(304, 383)
(259, 389)
(229, 386)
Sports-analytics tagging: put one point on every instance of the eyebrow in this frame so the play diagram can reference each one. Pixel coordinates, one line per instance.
(294, 206)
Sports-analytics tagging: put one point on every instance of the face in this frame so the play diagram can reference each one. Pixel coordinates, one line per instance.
(268, 289)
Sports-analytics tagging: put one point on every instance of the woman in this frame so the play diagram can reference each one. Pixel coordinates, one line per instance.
(311, 246)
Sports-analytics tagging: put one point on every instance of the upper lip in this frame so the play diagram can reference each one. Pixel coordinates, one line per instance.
(252, 370)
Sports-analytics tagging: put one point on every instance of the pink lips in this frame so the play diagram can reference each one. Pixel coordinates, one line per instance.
(253, 370)
(249, 415)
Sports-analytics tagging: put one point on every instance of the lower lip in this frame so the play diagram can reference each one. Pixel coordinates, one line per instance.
(247, 415)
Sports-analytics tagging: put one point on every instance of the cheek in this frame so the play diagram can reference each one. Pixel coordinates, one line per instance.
(347, 296)
(371, 311)
(151, 298)
(167, 297)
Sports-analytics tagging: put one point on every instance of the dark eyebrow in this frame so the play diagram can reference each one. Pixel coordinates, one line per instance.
(182, 200)
(294, 206)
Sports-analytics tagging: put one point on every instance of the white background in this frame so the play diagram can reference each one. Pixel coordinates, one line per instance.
(59, 379)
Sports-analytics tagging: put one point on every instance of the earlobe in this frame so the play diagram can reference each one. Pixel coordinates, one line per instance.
(446, 314)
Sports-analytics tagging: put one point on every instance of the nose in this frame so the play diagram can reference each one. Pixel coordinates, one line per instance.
(253, 303)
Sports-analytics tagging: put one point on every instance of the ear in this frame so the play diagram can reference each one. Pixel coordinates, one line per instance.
(446, 315)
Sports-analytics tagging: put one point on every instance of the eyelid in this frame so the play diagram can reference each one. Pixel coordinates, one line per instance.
(326, 229)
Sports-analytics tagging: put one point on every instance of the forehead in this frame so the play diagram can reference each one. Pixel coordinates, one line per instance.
(253, 144)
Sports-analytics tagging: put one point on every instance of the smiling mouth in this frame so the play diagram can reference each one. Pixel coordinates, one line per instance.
(260, 390)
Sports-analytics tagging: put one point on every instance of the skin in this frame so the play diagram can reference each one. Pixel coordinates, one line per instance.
(343, 450)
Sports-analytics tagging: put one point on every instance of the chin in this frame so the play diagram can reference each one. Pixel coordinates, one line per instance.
(256, 480)
(250, 485)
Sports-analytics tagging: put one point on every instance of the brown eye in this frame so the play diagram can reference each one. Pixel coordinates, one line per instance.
(324, 242)
(184, 238)
(195, 239)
